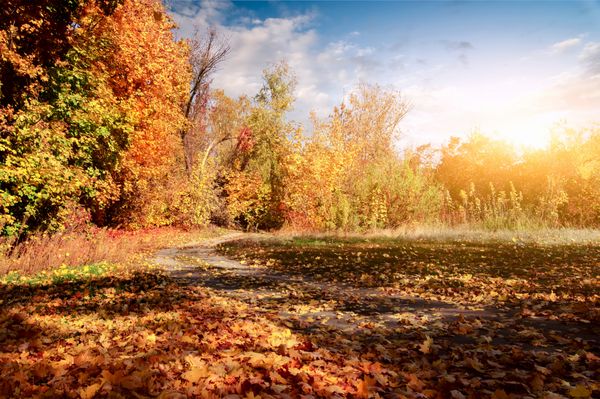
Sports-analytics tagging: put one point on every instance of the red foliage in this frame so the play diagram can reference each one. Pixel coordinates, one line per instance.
(245, 141)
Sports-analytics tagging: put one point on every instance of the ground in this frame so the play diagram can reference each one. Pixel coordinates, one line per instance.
(249, 315)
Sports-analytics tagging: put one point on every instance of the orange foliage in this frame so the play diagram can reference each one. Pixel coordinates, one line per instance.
(151, 74)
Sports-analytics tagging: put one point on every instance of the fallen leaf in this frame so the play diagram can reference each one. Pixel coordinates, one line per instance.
(425, 347)
(90, 391)
(580, 392)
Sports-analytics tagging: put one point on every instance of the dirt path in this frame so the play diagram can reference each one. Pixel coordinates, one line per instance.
(304, 301)
(307, 305)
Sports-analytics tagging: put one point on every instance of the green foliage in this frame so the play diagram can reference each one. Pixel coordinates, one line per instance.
(57, 276)
(62, 148)
(84, 119)
(393, 194)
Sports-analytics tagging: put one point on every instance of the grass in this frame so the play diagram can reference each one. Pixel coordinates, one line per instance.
(58, 275)
(442, 233)
(94, 246)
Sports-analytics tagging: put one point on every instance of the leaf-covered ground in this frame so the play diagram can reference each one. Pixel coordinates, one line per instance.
(312, 318)
(470, 318)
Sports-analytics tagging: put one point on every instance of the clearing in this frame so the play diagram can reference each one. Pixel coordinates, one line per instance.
(251, 314)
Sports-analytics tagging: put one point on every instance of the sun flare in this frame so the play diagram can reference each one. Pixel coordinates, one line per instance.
(526, 134)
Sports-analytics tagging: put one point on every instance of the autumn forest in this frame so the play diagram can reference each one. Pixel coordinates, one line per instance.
(161, 238)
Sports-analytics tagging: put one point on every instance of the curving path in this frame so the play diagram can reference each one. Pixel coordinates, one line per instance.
(304, 301)
(352, 313)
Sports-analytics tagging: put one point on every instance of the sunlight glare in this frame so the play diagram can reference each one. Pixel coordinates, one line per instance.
(531, 134)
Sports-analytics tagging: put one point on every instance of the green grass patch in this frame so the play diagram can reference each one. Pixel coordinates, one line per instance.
(60, 275)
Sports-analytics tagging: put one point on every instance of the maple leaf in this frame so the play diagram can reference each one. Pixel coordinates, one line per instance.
(198, 370)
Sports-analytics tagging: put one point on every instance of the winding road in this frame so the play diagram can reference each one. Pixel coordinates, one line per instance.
(300, 299)
(305, 304)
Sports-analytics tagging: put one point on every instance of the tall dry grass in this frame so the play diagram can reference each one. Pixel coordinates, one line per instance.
(464, 232)
(75, 248)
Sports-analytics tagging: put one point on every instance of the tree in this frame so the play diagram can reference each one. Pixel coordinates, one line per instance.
(207, 51)
(264, 144)
(479, 160)
(348, 174)
(150, 77)
(92, 96)
(370, 120)
(61, 128)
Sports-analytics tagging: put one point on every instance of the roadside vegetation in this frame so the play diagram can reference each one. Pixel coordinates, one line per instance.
(44, 253)
(107, 119)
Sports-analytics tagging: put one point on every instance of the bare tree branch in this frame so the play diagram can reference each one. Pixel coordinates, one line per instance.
(207, 52)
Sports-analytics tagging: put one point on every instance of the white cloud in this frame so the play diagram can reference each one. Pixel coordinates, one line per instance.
(324, 74)
(190, 16)
(590, 57)
(447, 99)
(565, 45)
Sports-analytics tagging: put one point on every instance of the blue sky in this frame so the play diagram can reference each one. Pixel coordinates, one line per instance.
(512, 69)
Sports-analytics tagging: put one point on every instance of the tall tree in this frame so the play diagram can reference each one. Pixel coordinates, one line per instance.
(207, 51)
(92, 99)
(60, 129)
(256, 181)
(150, 77)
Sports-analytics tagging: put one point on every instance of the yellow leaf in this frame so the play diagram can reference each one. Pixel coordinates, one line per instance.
(580, 391)
(151, 338)
(90, 391)
(425, 347)
(199, 369)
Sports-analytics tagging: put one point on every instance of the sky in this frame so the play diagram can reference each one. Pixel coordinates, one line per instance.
(510, 69)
